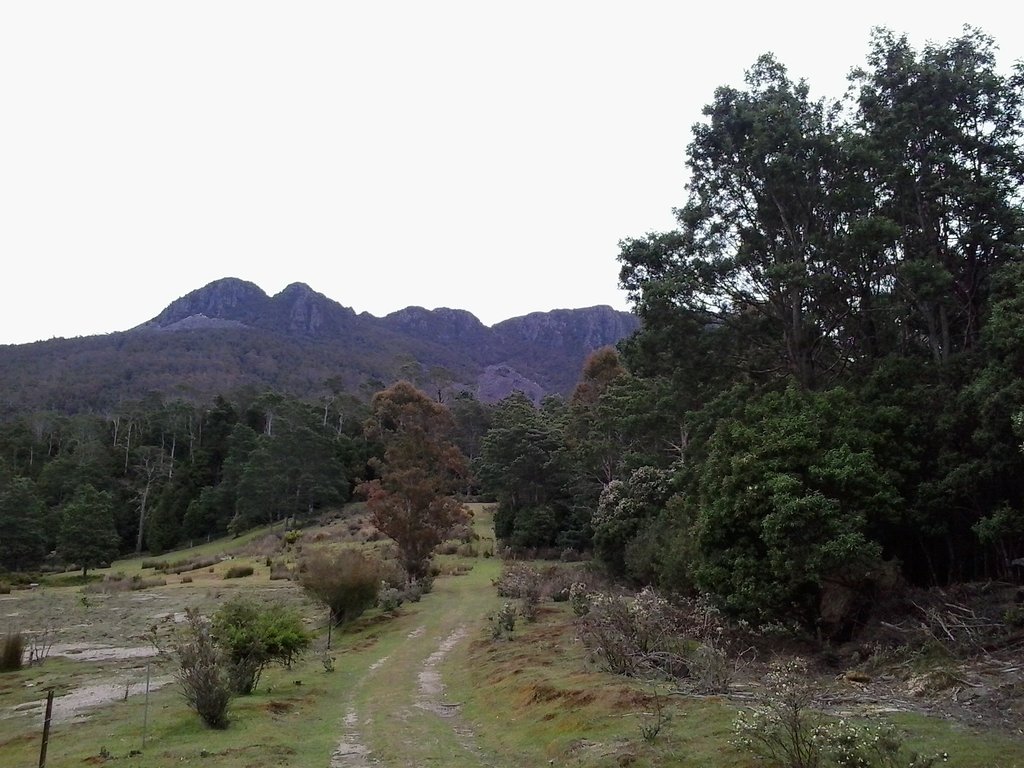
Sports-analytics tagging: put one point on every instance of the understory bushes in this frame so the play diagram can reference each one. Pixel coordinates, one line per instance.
(224, 656)
(638, 635)
(119, 582)
(645, 635)
(182, 566)
(635, 635)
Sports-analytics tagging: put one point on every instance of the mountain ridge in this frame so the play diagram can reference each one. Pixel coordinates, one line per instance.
(230, 333)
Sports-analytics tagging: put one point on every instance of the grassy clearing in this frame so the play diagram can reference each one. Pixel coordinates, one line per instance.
(293, 718)
(535, 699)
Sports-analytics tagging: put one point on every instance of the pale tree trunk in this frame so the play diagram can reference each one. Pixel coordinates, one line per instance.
(151, 466)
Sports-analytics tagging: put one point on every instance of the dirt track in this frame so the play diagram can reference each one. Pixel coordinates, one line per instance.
(398, 712)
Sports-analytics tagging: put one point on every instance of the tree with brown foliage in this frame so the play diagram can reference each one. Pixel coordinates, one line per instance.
(411, 500)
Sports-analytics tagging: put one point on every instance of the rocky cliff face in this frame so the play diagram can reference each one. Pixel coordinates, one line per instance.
(448, 326)
(568, 329)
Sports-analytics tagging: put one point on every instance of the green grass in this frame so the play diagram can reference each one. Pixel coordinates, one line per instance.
(538, 700)
(532, 700)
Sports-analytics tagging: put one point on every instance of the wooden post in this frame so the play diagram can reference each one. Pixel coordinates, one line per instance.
(46, 728)
(145, 711)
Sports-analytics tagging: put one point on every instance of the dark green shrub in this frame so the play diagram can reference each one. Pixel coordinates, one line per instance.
(253, 637)
(346, 581)
(11, 651)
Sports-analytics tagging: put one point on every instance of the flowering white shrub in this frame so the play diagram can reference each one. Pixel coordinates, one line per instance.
(633, 636)
(787, 730)
(580, 598)
(503, 621)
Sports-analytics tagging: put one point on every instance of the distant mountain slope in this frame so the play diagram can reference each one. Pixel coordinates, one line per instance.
(230, 334)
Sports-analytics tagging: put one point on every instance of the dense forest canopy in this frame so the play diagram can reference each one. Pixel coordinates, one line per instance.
(825, 396)
(825, 392)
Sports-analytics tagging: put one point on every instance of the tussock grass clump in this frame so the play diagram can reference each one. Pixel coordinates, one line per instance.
(239, 571)
(280, 572)
(192, 564)
(11, 650)
(118, 582)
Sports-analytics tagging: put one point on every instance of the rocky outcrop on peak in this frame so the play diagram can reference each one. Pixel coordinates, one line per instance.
(226, 299)
(497, 382)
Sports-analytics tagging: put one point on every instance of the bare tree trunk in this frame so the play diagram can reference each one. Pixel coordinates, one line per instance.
(142, 518)
(128, 446)
(152, 467)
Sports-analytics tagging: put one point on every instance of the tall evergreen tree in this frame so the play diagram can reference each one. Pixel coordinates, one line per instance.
(87, 535)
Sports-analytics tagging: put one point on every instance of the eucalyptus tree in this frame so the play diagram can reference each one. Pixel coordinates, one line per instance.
(942, 134)
(412, 498)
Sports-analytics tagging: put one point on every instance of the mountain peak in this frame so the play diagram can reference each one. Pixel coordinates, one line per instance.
(227, 299)
(298, 289)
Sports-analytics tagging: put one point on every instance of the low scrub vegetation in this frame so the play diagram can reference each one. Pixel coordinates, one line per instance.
(202, 671)
(786, 728)
(119, 582)
(635, 636)
(183, 566)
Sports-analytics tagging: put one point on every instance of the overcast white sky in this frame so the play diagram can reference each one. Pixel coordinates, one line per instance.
(480, 155)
